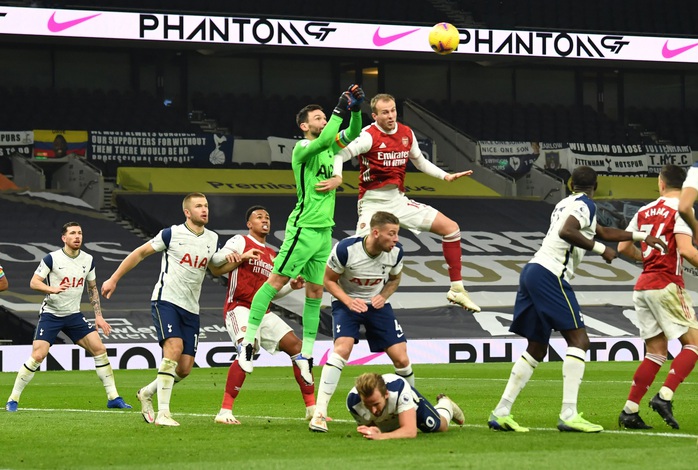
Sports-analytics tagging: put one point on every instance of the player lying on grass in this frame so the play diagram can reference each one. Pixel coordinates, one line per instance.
(387, 407)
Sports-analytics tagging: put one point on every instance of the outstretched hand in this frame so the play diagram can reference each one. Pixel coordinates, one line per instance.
(329, 184)
(357, 97)
(454, 176)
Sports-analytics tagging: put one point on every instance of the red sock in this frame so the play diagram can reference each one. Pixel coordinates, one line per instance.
(681, 366)
(308, 391)
(236, 377)
(452, 254)
(642, 380)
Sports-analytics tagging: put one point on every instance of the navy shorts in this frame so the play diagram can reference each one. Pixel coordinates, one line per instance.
(382, 328)
(76, 326)
(172, 321)
(428, 419)
(544, 302)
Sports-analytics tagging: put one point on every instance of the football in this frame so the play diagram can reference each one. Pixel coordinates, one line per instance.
(444, 38)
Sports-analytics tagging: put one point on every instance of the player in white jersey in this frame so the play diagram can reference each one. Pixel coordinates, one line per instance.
(387, 407)
(383, 149)
(361, 274)
(664, 308)
(545, 301)
(689, 193)
(62, 275)
(3, 280)
(187, 249)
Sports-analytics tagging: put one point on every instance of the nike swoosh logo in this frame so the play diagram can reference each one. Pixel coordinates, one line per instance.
(56, 27)
(669, 53)
(364, 360)
(381, 41)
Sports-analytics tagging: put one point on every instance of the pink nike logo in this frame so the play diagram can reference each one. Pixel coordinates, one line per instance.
(360, 361)
(56, 27)
(380, 41)
(364, 360)
(669, 53)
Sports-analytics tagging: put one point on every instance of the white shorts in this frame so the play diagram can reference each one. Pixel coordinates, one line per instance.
(270, 331)
(413, 215)
(668, 311)
(691, 180)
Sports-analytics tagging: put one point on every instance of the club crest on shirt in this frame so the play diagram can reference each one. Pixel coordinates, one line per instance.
(405, 141)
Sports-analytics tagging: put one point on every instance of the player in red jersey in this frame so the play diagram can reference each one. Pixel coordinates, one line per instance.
(664, 309)
(383, 149)
(250, 261)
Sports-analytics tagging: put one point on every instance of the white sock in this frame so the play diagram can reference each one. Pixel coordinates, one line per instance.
(445, 409)
(165, 382)
(331, 372)
(665, 393)
(152, 387)
(457, 286)
(631, 407)
(406, 373)
(106, 375)
(572, 373)
(24, 376)
(521, 372)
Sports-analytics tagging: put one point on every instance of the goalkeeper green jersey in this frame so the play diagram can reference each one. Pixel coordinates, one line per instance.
(312, 162)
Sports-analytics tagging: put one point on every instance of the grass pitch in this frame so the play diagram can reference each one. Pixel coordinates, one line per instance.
(63, 423)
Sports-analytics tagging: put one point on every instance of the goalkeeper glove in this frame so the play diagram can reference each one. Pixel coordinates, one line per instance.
(357, 97)
(342, 105)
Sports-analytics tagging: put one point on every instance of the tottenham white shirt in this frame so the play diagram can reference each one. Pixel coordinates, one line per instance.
(556, 255)
(184, 260)
(58, 268)
(401, 398)
(362, 275)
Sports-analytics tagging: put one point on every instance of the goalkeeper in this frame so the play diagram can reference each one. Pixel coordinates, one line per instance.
(308, 238)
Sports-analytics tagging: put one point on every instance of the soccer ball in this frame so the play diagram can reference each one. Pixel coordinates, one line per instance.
(444, 38)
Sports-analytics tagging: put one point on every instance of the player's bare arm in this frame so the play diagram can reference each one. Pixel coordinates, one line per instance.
(37, 283)
(130, 262)
(630, 249)
(378, 301)
(686, 201)
(407, 429)
(331, 283)
(454, 176)
(571, 233)
(93, 295)
(612, 234)
(233, 260)
(686, 248)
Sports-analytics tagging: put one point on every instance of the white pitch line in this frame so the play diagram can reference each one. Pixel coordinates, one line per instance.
(334, 420)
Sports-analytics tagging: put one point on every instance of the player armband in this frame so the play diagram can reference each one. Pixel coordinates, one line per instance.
(341, 139)
(639, 236)
(599, 248)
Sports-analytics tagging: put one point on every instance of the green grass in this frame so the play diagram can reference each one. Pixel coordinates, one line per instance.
(63, 423)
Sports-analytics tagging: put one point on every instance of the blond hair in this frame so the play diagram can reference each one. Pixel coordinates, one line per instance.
(380, 97)
(191, 196)
(366, 384)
